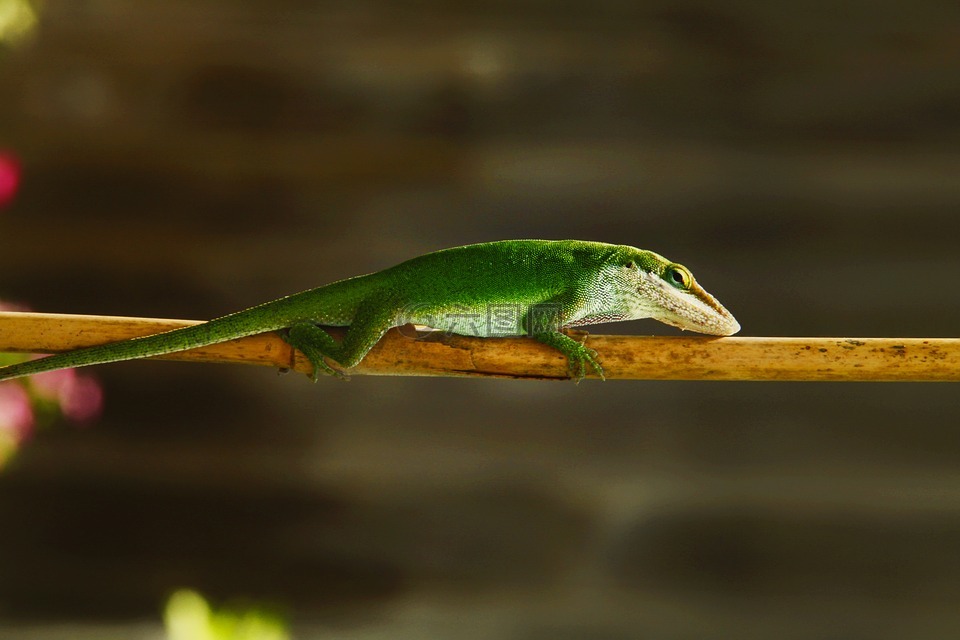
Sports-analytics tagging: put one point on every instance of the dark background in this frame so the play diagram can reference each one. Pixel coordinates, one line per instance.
(188, 158)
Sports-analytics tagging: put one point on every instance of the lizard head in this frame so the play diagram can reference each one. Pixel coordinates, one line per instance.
(653, 287)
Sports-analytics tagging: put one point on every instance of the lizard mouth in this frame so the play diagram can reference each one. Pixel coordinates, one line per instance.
(709, 324)
(715, 320)
(693, 309)
(697, 310)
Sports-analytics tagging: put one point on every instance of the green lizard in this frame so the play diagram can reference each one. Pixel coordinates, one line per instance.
(506, 288)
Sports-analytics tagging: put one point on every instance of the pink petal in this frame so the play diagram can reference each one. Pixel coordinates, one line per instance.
(9, 178)
(16, 412)
(81, 399)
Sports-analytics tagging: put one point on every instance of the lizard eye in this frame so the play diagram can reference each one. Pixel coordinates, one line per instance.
(678, 276)
(631, 265)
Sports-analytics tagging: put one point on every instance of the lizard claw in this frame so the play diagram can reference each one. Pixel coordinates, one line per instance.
(590, 357)
(579, 362)
(320, 365)
(578, 355)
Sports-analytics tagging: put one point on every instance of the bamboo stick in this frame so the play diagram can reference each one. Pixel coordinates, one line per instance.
(404, 351)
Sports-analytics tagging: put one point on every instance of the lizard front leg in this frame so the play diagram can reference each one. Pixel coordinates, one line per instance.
(543, 323)
(578, 355)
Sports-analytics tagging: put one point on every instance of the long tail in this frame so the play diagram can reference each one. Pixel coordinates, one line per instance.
(270, 317)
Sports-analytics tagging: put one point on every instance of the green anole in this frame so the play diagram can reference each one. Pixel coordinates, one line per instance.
(505, 288)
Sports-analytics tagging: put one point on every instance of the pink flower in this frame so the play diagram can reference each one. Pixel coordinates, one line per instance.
(80, 397)
(16, 412)
(13, 306)
(9, 178)
(82, 400)
(49, 385)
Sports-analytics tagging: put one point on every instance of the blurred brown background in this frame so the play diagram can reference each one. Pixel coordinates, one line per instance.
(188, 158)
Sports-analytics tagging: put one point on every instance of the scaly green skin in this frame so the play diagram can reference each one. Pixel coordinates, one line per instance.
(506, 288)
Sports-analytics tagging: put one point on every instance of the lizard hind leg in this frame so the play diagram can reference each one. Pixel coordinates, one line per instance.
(316, 344)
(368, 326)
